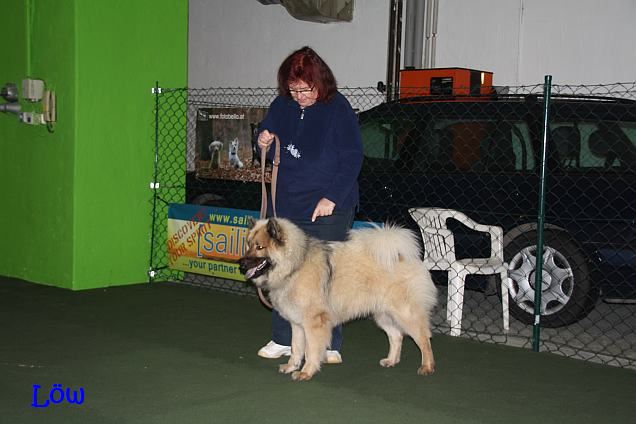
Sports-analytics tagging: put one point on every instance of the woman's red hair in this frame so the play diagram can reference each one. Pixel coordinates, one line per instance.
(305, 65)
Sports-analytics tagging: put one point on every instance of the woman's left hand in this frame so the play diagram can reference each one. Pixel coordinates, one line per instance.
(324, 207)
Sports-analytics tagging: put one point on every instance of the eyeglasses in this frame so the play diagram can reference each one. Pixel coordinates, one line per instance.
(301, 90)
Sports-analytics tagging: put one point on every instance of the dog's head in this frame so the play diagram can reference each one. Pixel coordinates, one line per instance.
(215, 145)
(234, 145)
(264, 238)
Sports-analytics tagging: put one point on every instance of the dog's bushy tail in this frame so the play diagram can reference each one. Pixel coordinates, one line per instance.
(389, 244)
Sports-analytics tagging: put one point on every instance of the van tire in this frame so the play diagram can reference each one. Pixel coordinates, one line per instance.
(568, 293)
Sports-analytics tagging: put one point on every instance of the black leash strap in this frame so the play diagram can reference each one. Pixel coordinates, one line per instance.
(263, 214)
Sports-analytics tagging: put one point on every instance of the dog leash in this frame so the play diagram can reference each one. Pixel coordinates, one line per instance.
(274, 177)
(263, 214)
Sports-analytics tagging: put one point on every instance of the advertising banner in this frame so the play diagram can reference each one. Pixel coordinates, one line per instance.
(207, 240)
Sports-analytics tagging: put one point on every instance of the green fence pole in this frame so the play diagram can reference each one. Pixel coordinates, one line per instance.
(154, 184)
(538, 276)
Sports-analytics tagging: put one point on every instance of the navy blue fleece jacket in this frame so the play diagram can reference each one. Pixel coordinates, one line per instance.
(321, 154)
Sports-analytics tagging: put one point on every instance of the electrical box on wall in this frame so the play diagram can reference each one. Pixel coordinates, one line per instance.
(31, 118)
(445, 82)
(32, 90)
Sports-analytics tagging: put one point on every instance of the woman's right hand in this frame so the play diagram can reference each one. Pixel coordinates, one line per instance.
(265, 139)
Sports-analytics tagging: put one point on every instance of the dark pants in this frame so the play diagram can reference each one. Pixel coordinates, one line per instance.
(330, 228)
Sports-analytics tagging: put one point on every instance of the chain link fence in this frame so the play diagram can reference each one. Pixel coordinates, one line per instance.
(466, 174)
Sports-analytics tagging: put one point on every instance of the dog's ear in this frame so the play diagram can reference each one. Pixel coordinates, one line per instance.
(250, 222)
(274, 230)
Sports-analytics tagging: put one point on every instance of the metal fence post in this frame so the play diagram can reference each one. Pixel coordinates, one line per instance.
(154, 184)
(538, 276)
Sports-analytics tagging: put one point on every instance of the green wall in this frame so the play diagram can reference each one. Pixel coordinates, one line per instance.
(76, 202)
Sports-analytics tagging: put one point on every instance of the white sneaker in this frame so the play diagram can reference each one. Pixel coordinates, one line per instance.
(333, 357)
(273, 350)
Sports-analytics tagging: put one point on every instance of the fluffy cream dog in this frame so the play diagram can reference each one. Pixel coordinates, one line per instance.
(316, 285)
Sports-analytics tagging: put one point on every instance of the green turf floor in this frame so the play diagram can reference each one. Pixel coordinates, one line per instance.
(165, 353)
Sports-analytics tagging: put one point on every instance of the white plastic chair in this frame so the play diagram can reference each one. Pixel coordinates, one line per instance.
(439, 246)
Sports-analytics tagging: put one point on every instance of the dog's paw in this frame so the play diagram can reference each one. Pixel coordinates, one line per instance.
(287, 368)
(426, 370)
(387, 363)
(301, 376)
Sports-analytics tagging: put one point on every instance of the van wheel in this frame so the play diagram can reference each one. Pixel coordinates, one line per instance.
(210, 199)
(567, 291)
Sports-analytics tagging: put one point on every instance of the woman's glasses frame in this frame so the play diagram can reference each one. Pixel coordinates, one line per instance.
(301, 90)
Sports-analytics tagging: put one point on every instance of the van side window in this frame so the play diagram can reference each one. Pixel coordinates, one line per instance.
(378, 140)
(564, 148)
(487, 146)
(610, 145)
(587, 146)
(522, 146)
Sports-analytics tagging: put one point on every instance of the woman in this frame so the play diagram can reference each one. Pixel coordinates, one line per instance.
(321, 156)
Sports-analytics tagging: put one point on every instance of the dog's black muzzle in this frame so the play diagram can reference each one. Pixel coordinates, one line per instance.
(253, 267)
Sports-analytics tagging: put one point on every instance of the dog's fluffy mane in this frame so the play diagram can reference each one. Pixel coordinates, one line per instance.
(293, 246)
